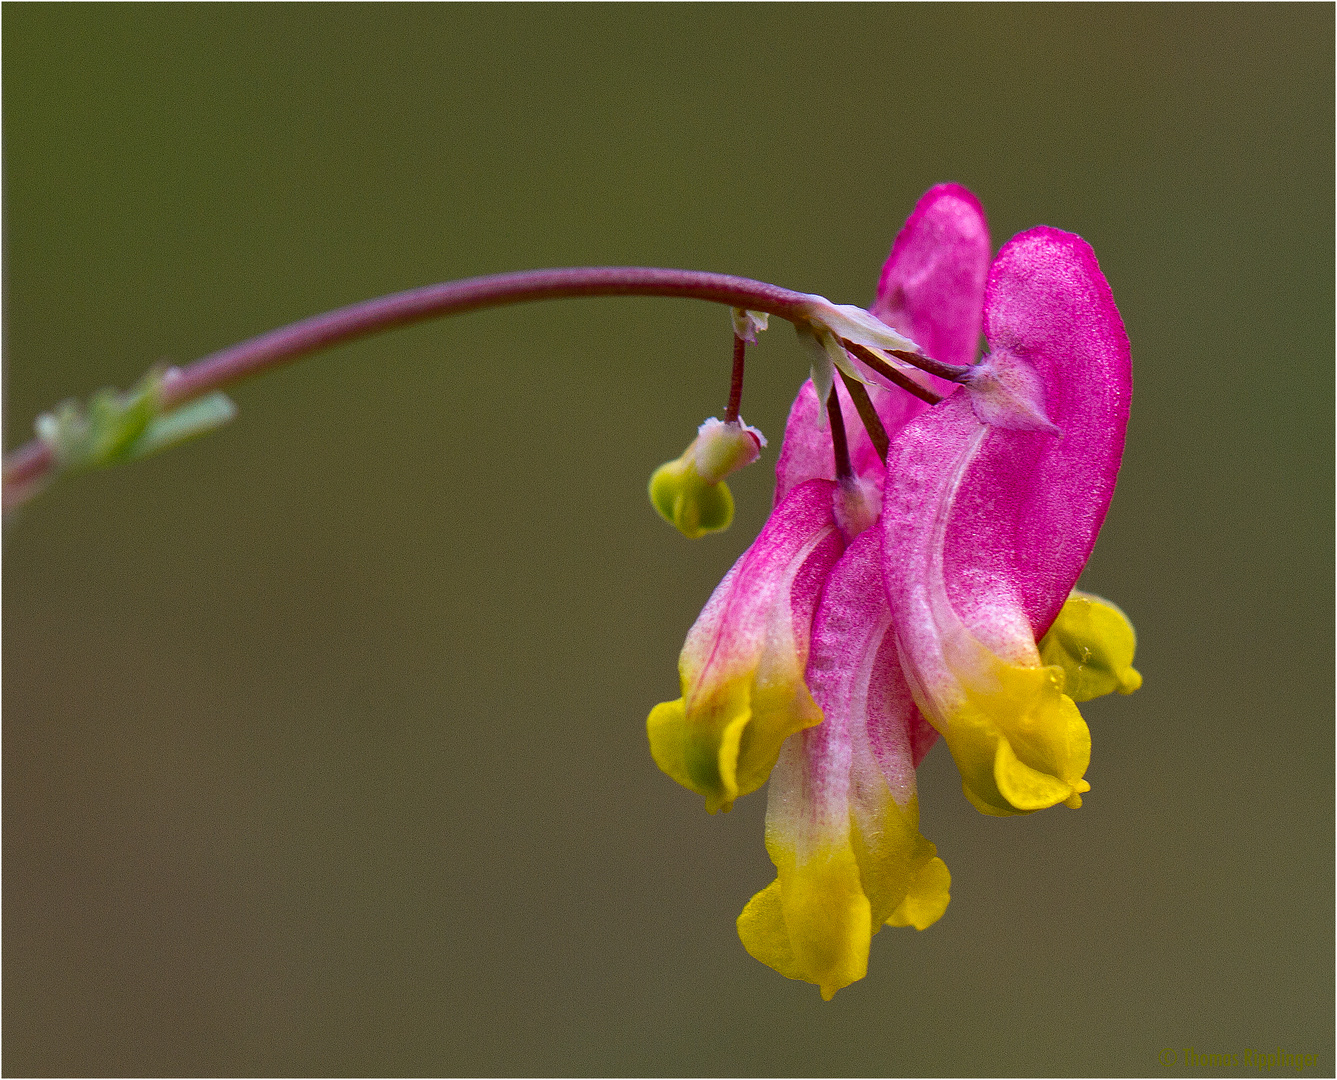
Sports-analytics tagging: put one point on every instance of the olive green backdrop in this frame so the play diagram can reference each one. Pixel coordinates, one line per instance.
(323, 742)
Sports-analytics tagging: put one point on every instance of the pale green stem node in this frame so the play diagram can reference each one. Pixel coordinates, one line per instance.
(117, 427)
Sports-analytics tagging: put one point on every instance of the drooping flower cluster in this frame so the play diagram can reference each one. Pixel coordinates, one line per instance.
(915, 579)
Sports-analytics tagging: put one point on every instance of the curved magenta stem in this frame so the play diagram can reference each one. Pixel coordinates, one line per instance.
(26, 467)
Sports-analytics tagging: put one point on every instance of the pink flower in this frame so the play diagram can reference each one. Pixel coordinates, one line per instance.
(890, 600)
(986, 528)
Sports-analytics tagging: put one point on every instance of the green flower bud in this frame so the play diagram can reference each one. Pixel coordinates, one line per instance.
(687, 502)
(690, 493)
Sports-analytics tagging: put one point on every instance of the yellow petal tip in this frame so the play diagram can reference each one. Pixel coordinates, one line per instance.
(1129, 680)
(700, 755)
(927, 899)
(1093, 641)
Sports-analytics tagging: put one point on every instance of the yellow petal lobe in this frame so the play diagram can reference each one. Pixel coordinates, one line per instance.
(816, 920)
(812, 924)
(927, 899)
(729, 745)
(1019, 741)
(1093, 641)
(761, 927)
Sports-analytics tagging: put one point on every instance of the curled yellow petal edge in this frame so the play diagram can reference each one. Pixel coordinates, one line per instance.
(1019, 741)
(927, 899)
(729, 745)
(1094, 642)
(1018, 738)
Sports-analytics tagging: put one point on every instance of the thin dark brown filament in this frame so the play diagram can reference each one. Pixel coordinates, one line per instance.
(933, 367)
(871, 421)
(838, 441)
(923, 393)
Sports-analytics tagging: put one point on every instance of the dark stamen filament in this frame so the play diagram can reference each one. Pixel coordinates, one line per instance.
(933, 367)
(871, 421)
(736, 384)
(838, 443)
(923, 393)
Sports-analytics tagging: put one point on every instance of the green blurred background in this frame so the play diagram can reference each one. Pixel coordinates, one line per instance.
(323, 743)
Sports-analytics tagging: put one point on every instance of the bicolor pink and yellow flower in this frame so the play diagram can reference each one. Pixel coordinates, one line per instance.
(929, 590)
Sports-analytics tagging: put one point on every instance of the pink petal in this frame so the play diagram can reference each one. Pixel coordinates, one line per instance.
(806, 453)
(842, 819)
(1029, 507)
(932, 290)
(987, 528)
(854, 672)
(932, 285)
(741, 668)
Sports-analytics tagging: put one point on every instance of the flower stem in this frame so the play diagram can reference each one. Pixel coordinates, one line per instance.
(456, 297)
(27, 467)
(868, 414)
(839, 444)
(923, 393)
(736, 382)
